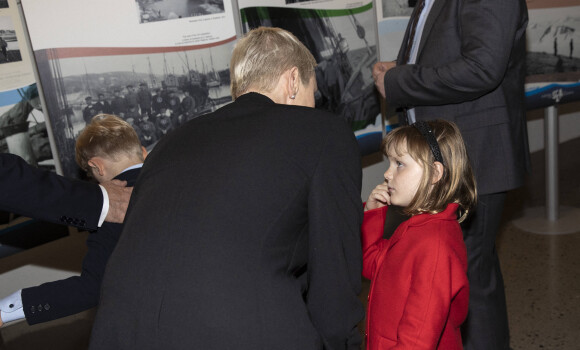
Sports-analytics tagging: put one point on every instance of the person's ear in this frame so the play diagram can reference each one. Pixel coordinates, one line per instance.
(97, 164)
(293, 83)
(144, 150)
(438, 170)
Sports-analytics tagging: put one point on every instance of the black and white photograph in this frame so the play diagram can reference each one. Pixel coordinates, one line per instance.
(398, 8)
(344, 45)
(10, 50)
(553, 44)
(23, 130)
(155, 93)
(163, 10)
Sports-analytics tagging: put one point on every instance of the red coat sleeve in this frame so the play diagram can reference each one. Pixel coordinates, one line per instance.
(372, 239)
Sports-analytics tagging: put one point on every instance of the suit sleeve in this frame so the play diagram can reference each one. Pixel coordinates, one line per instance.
(430, 294)
(334, 265)
(487, 31)
(372, 239)
(46, 196)
(57, 299)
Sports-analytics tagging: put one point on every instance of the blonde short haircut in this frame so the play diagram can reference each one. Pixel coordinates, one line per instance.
(261, 57)
(107, 136)
(457, 185)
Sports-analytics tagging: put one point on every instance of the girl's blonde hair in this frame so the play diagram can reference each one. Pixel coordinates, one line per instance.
(262, 55)
(457, 184)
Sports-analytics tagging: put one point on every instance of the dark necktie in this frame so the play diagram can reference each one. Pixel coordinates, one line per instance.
(414, 20)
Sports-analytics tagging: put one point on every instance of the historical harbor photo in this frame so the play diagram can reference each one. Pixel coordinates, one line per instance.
(155, 93)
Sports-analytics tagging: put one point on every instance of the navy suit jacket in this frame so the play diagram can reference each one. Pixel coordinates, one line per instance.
(57, 299)
(46, 196)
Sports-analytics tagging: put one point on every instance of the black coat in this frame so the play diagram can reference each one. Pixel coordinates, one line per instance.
(242, 233)
(57, 299)
(46, 196)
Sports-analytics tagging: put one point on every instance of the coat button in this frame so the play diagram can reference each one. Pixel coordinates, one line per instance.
(46, 306)
(32, 309)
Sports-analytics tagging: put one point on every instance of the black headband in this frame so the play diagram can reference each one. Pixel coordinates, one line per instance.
(426, 131)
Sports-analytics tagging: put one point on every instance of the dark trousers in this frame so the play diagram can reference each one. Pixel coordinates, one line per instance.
(486, 326)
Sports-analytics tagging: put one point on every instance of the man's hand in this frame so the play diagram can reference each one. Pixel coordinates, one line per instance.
(119, 196)
(379, 71)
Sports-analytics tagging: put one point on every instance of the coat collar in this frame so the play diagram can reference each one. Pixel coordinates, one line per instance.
(129, 175)
(254, 98)
(431, 18)
(450, 213)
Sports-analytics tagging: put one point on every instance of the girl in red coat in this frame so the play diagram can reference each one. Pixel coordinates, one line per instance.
(419, 291)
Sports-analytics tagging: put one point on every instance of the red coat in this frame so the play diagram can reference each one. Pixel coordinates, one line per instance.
(419, 291)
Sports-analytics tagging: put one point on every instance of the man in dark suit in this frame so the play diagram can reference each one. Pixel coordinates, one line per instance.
(464, 62)
(118, 104)
(3, 46)
(144, 98)
(102, 105)
(46, 196)
(89, 111)
(253, 240)
(58, 299)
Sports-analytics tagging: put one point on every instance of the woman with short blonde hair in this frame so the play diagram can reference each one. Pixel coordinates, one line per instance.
(261, 57)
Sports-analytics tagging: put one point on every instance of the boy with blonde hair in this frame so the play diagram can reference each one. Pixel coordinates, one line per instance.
(108, 148)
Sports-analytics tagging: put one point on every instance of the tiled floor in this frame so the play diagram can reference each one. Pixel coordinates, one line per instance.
(541, 272)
